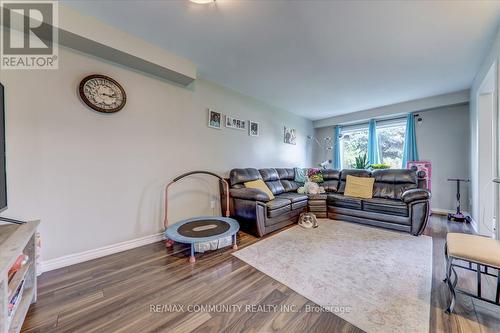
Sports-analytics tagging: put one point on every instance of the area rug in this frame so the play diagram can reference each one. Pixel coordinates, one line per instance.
(378, 280)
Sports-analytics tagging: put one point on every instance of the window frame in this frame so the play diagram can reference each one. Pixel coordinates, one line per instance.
(381, 124)
(350, 129)
(392, 123)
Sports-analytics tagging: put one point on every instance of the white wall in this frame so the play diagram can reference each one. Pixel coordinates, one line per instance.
(443, 138)
(489, 60)
(97, 179)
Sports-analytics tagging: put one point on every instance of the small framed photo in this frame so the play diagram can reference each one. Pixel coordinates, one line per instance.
(214, 119)
(290, 136)
(236, 123)
(253, 128)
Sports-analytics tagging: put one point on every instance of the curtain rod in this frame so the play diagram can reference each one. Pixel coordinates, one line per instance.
(366, 121)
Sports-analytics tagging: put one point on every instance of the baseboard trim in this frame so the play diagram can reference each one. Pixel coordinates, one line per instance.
(76, 258)
(474, 224)
(441, 211)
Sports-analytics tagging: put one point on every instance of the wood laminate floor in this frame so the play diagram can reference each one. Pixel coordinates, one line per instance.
(131, 291)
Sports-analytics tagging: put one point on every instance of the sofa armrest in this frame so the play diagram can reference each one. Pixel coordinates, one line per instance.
(249, 194)
(415, 194)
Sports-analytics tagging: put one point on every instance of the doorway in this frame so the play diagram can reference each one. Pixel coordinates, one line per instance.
(486, 168)
(487, 155)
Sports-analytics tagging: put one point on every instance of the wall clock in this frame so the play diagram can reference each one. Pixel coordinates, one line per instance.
(102, 93)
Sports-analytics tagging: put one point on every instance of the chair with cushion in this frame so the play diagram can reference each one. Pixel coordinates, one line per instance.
(482, 255)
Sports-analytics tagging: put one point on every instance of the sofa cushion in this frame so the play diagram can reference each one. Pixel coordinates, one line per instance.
(391, 183)
(269, 174)
(300, 204)
(239, 176)
(385, 206)
(339, 200)
(350, 172)
(276, 187)
(277, 203)
(293, 197)
(278, 212)
(290, 185)
(285, 173)
(260, 185)
(272, 179)
(330, 185)
(330, 180)
(277, 207)
(287, 179)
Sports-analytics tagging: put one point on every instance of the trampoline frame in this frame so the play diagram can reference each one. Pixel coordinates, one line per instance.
(169, 241)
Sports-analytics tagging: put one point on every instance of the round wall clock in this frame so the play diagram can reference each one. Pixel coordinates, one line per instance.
(102, 93)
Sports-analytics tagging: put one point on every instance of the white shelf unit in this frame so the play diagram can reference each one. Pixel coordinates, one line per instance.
(14, 241)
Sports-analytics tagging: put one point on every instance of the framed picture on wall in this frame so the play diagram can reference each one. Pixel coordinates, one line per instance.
(253, 128)
(290, 136)
(214, 119)
(236, 123)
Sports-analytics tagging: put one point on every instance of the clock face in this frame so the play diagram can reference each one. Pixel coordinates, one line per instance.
(102, 93)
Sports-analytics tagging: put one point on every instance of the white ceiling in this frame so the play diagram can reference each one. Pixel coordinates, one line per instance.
(318, 58)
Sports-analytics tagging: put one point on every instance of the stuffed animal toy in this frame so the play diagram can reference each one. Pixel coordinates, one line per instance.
(311, 188)
(308, 221)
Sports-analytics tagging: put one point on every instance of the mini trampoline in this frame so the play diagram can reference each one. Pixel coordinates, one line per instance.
(203, 228)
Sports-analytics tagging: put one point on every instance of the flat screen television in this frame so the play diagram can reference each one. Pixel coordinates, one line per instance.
(3, 176)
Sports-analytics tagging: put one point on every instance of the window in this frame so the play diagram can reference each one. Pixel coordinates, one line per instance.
(354, 144)
(391, 140)
(391, 137)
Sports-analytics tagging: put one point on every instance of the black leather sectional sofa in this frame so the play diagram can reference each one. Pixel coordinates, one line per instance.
(398, 201)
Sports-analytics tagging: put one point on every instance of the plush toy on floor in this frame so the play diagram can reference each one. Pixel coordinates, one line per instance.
(308, 221)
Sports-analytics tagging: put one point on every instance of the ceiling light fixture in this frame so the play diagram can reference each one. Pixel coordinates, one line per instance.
(202, 2)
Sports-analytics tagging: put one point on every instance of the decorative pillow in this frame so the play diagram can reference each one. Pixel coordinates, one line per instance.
(260, 185)
(300, 175)
(359, 187)
(315, 175)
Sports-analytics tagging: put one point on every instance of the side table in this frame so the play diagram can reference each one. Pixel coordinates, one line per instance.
(317, 205)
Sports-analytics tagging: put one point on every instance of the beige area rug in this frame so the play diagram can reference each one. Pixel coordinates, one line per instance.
(378, 280)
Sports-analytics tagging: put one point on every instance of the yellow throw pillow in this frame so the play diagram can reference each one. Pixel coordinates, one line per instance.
(359, 187)
(260, 185)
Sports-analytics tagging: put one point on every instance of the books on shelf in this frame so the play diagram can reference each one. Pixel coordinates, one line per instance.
(18, 264)
(15, 300)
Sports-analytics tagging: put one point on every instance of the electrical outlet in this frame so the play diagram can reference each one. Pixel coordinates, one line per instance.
(212, 204)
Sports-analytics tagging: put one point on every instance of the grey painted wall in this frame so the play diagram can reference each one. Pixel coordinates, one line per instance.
(388, 111)
(443, 138)
(98, 179)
